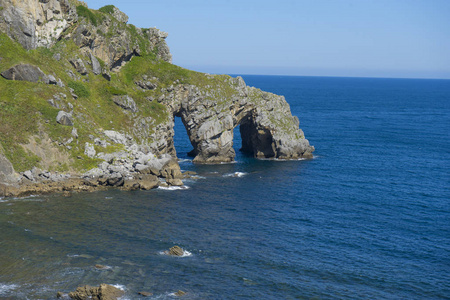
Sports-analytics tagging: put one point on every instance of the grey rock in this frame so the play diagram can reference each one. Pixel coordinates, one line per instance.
(79, 66)
(53, 103)
(106, 75)
(52, 79)
(89, 150)
(74, 132)
(57, 56)
(96, 67)
(6, 170)
(24, 72)
(64, 118)
(120, 16)
(126, 102)
(36, 23)
(60, 83)
(28, 175)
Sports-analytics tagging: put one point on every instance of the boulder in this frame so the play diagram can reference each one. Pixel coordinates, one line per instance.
(148, 182)
(126, 102)
(64, 118)
(78, 64)
(102, 292)
(174, 182)
(145, 294)
(171, 170)
(24, 72)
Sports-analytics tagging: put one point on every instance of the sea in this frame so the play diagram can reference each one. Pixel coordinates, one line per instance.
(367, 218)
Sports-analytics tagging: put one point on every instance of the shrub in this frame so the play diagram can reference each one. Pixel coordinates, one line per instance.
(87, 13)
(115, 91)
(79, 89)
(107, 9)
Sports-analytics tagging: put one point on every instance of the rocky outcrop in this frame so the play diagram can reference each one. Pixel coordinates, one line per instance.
(175, 251)
(7, 173)
(125, 42)
(126, 102)
(268, 129)
(126, 122)
(36, 23)
(102, 292)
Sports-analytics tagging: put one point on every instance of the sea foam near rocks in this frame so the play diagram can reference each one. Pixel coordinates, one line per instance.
(236, 174)
(173, 188)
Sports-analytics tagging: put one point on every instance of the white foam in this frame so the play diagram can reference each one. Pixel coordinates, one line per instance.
(3, 201)
(185, 253)
(7, 287)
(182, 160)
(173, 188)
(197, 177)
(235, 174)
(119, 286)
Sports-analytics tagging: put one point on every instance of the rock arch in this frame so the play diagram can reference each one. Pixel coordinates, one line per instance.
(268, 129)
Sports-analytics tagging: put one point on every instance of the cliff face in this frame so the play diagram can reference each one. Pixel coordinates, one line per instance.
(83, 92)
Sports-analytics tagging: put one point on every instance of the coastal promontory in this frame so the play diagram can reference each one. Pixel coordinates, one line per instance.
(87, 97)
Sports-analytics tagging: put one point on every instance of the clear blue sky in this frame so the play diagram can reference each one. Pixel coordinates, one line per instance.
(372, 38)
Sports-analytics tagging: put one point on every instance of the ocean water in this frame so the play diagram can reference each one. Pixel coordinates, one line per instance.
(367, 218)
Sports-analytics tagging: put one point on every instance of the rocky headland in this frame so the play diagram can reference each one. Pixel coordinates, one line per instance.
(88, 102)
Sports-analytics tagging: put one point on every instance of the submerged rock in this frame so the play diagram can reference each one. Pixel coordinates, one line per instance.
(180, 293)
(145, 294)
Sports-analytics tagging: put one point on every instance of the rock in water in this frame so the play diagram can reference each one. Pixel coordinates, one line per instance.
(145, 294)
(102, 292)
(175, 251)
(180, 293)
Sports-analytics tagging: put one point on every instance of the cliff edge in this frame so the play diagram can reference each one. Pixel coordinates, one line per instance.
(87, 95)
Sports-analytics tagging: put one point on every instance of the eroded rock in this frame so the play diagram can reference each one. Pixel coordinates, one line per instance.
(102, 292)
(175, 251)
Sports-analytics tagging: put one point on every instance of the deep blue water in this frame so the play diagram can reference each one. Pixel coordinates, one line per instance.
(368, 218)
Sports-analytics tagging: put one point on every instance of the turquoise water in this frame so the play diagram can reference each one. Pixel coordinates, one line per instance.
(368, 218)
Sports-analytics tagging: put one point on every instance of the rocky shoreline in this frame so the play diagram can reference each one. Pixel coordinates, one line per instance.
(36, 182)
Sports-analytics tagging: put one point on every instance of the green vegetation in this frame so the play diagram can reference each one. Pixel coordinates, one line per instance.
(107, 9)
(27, 118)
(115, 91)
(79, 89)
(85, 12)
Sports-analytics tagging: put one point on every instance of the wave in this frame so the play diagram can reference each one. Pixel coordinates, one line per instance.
(4, 288)
(182, 160)
(236, 174)
(173, 188)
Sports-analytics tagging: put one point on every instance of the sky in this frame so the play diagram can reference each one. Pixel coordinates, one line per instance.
(352, 38)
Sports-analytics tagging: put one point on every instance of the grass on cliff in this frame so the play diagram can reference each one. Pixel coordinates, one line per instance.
(25, 112)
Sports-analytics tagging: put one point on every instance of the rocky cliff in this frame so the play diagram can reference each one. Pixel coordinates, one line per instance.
(86, 94)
